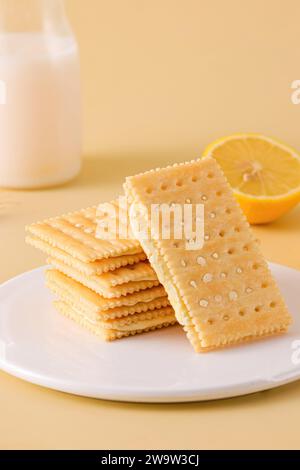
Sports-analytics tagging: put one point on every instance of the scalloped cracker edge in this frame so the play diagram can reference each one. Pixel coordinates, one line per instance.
(74, 233)
(95, 306)
(99, 286)
(224, 293)
(108, 334)
(92, 268)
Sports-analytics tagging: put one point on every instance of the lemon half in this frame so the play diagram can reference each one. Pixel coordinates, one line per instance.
(263, 173)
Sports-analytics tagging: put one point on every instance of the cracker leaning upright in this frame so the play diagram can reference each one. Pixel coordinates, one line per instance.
(223, 293)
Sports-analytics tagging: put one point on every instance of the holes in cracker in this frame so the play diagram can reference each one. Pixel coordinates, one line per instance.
(226, 317)
(257, 309)
(246, 247)
(231, 251)
(233, 295)
(163, 186)
(210, 175)
(149, 190)
(194, 179)
(272, 304)
(210, 321)
(219, 193)
(242, 312)
(201, 261)
(264, 285)
(228, 211)
(179, 183)
(222, 233)
(208, 277)
(255, 266)
(237, 229)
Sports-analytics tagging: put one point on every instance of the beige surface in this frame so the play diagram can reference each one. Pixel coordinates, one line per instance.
(34, 417)
(176, 74)
(161, 79)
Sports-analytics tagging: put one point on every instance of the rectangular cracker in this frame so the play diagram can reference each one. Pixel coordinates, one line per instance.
(74, 234)
(117, 330)
(141, 320)
(96, 302)
(223, 293)
(95, 306)
(105, 284)
(92, 268)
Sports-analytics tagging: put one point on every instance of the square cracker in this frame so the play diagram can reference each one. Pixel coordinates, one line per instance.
(94, 267)
(116, 283)
(223, 293)
(117, 329)
(74, 234)
(96, 307)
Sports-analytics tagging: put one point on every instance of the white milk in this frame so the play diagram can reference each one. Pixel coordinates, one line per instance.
(40, 120)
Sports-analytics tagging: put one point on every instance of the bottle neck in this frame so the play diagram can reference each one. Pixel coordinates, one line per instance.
(44, 16)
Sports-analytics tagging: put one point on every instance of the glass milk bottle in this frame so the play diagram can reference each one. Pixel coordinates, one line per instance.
(40, 102)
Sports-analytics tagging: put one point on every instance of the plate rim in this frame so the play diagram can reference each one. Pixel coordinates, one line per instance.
(145, 395)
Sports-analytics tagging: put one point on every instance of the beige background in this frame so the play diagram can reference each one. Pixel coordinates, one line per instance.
(172, 75)
(161, 79)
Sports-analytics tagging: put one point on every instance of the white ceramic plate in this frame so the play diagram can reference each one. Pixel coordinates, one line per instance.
(37, 344)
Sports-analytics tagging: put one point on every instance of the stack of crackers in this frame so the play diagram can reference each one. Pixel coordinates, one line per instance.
(107, 286)
(222, 293)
